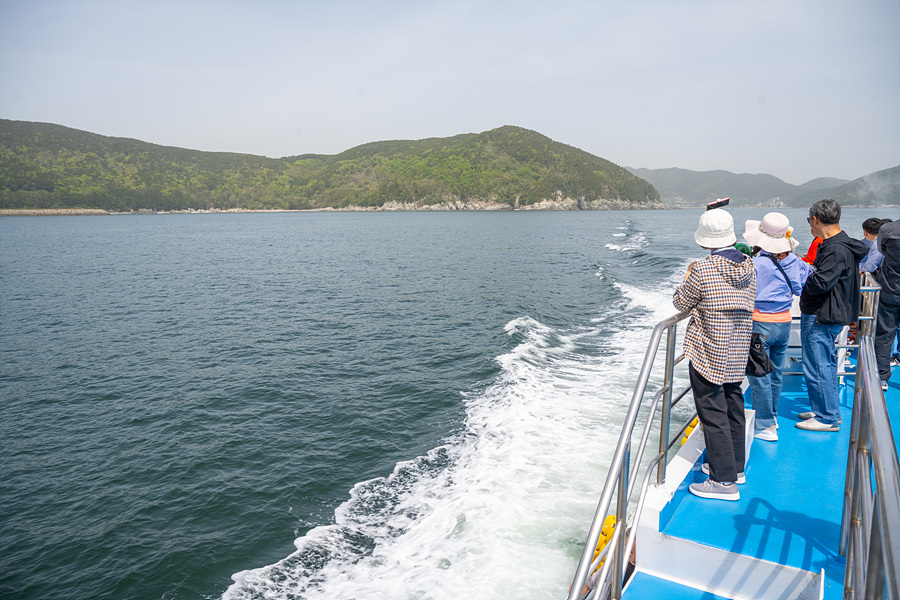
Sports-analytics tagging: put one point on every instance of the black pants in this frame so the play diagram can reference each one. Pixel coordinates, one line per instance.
(885, 332)
(721, 411)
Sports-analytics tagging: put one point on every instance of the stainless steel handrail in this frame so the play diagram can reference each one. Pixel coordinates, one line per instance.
(870, 529)
(870, 525)
(620, 475)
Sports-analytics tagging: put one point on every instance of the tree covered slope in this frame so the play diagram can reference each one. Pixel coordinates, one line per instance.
(50, 166)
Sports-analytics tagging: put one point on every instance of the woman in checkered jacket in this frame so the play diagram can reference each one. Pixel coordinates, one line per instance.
(719, 291)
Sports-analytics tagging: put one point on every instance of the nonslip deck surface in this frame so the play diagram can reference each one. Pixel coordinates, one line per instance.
(790, 507)
(645, 586)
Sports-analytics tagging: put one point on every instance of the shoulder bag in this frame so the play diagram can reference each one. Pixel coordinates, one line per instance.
(758, 362)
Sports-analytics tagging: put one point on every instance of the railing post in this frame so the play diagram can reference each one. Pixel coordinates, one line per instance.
(850, 511)
(618, 554)
(665, 415)
(875, 575)
(871, 294)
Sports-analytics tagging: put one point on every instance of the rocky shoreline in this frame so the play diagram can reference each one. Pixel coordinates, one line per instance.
(50, 212)
(560, 203)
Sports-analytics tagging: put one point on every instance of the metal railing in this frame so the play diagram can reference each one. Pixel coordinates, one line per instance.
(870, 529)
(870, 524)
(622, 475)
(870, 293)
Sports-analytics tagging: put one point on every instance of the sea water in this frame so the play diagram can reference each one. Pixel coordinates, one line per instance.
(320, 405)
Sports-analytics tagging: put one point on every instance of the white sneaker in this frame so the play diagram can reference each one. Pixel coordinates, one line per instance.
(767, 435)
(715, 491)
(812, 415)
(884, 385)
(705, 468)
(816, 425)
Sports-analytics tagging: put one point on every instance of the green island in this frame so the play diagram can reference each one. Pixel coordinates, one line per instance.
(46, 167)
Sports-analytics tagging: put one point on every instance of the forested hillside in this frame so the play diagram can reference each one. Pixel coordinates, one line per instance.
(50, 166)
(681, 187)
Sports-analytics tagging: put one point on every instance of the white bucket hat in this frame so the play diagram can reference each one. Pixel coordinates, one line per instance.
(773, 234)
(716, 229)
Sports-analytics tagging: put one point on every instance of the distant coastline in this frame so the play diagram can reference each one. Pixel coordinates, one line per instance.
(50, 212)
(560, 204)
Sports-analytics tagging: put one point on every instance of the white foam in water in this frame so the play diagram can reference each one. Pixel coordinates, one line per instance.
(503, 509)
(633, 242)
(657, 300)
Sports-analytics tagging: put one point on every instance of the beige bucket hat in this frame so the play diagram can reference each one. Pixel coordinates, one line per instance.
(716, 229)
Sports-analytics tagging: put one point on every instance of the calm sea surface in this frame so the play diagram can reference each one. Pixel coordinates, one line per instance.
(320, 405)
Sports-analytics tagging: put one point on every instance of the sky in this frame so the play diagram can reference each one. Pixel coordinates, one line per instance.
(798, 89)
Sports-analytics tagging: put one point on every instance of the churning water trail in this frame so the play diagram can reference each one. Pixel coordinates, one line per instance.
(508, 496)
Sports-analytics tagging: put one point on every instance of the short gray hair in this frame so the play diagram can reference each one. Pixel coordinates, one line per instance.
(827, 211)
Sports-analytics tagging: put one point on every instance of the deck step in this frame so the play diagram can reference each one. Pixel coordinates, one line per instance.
(741, 550)
(726, 574)
(643, 586)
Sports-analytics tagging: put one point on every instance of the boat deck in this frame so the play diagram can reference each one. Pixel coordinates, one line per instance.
(790, 508)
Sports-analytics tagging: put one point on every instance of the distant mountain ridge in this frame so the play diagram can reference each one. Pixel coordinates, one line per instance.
(681, 187)
(50, 166)
(824, 183)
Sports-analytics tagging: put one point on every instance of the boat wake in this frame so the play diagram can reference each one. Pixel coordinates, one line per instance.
(508, 496)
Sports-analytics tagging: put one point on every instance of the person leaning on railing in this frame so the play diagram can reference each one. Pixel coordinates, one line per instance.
(780, 275)
(874, 257)
(888, 277)
(719, 291)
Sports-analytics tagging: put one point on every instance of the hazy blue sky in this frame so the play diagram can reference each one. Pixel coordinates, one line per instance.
(796, 88)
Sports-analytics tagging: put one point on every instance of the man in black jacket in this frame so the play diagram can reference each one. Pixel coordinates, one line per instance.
(829, 300)
(889, 306)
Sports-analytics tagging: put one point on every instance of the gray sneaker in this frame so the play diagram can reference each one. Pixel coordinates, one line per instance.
(715, 490)
(816, 425)
(705, 468)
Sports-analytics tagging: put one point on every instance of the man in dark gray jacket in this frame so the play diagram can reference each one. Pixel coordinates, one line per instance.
(829, 300)
(889, 308)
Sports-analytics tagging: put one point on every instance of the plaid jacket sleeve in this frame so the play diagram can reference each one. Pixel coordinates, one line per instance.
(717, 338)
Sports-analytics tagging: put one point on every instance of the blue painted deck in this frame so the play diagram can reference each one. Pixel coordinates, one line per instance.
(790, 506)
(647, 586)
